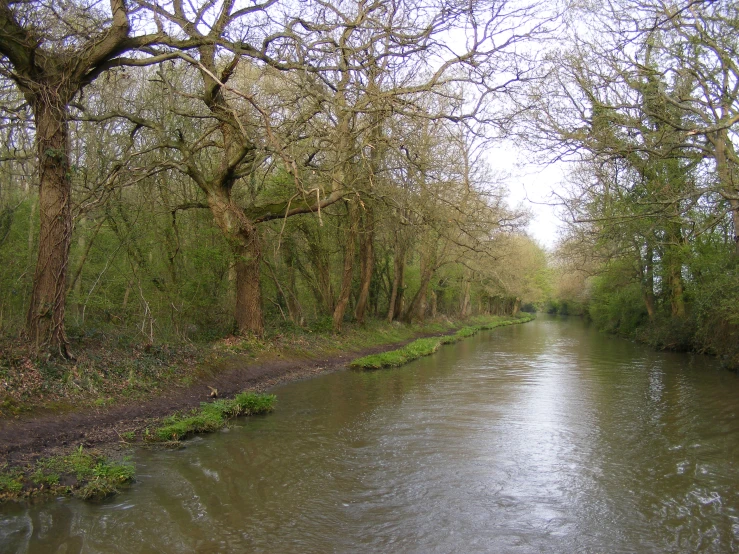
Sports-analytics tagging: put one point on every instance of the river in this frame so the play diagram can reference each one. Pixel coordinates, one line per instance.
(541, 437)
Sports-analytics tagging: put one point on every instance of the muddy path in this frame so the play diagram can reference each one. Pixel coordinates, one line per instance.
(26, 438)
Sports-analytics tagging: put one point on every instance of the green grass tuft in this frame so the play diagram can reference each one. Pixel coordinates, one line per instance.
(82, 473)
(213, 415)
(424, 347)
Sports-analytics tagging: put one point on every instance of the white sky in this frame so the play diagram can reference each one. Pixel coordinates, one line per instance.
(531, 184)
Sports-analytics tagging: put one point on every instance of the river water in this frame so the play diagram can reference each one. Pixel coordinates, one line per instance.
(542, 437)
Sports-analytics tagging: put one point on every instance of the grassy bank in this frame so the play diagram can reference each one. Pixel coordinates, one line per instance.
(427, 346)
(111, 372)
(211, 416)
(106, 376)
(81, 473)
(91, 474)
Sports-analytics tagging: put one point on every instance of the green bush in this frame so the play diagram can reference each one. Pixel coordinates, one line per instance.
(617, 308)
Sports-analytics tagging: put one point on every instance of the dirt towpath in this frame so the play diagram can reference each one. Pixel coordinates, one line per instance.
(26, 438)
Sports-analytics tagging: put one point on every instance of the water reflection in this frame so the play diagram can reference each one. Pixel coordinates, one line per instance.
(544, 437)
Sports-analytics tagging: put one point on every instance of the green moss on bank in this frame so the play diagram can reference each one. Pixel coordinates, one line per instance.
(427, 346)
(212, 416)
(83, 473)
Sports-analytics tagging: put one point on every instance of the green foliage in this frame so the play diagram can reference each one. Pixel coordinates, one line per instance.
(669, 333)
(715, 302)
(15, 262)
(711, 322)
(616, 308)
(213, 415)
(11, 481)
(563, 307)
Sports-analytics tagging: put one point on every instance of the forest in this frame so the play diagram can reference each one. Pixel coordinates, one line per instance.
(176, 172)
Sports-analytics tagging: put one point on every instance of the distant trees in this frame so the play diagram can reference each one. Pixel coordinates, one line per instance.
(645, 102)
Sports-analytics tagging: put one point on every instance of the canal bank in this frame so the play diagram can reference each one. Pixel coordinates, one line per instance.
(82, 447)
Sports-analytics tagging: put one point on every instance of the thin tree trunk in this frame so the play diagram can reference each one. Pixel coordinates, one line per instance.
(249, 314)
(45, 320)
(319, 279)
(126, 295)
(465, 303)
(648, 286)
(395, 306)
(348, 272)
(677, 302)
(417, 308)
(85, 246)
(673, 267)
(727, 177)
(293, 304)
(367, 261)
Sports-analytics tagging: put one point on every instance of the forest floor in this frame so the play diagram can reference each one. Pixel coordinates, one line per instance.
(108, 398)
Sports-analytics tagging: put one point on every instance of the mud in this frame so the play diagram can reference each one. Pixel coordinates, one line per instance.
(27, 438)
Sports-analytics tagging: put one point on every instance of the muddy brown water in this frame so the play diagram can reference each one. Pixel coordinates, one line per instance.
(543, 437)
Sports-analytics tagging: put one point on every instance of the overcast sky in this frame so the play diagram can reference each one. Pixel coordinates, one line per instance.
(531, 184)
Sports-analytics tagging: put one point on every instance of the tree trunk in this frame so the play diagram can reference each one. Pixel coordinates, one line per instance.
(673, 269)
(249, 316)
(648, 283)
(464, 309)
(727, 179)
(677, 302)
(417, 309)
(348, 272)
(45, 320)
(244, 239)
(293, 304)
(367, 261)
(396, 295)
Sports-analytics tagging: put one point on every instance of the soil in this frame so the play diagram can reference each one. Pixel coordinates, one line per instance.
(24, 439)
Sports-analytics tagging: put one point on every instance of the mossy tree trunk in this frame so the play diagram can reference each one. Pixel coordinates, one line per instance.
(245, 246)
(45, 319)
(395, 304)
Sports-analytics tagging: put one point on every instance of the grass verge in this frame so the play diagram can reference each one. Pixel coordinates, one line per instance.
(427, 346)
(82, 473)
(106, 373)
(212, 416)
